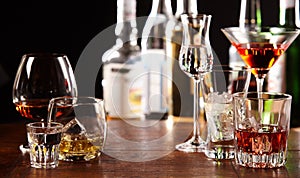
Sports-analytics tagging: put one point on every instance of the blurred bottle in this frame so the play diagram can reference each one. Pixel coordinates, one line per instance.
(182, 86)
(122, 67)
(276, 78)
(250, 17)
(289, 17)
(155, 93)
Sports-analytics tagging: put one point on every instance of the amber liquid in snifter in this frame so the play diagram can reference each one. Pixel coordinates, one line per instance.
(34, 109)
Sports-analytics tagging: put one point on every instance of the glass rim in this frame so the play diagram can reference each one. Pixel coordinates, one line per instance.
(229, 68)
(44, 54)
(78, 100)
(43, 125)
(262, 29)
(281, 96)
(195, 16)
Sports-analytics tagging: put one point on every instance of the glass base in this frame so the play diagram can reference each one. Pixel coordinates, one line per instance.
(79, 156)
(194, 144)
(220, 152)
(271, 160)
(24, 148)
(44, 165)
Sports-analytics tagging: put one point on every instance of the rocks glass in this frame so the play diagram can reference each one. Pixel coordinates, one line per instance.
(44, 140)
(84, 131)
(262, 127)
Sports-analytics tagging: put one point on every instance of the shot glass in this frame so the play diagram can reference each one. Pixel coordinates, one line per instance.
(262, 124)
(218, 87)
(44, 139)
(84, 130)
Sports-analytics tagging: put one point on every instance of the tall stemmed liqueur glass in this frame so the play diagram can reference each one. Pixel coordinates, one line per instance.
(261, 47)
(195, 59)
(39, 78)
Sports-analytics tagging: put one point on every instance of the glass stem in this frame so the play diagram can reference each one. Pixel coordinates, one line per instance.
(196, 108)
(259, 83)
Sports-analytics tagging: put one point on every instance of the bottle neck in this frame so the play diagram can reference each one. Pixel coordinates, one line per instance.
(161, 7)
(186, 7)
(250, 14)
(126, 28)
(289, 13)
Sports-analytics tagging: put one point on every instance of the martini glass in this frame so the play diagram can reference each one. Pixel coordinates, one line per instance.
(260, 48)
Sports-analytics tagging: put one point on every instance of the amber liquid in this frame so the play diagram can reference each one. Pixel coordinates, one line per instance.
(261, 143)
(74, 147)
(259, 56)
(35, 109)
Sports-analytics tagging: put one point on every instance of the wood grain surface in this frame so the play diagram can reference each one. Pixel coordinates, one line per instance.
(139, 149)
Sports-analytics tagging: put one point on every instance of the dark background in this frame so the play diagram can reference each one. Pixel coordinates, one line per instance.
(68, 26)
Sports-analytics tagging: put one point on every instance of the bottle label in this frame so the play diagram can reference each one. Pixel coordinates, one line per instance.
(122, 84)
(155, 92)
(289, 4)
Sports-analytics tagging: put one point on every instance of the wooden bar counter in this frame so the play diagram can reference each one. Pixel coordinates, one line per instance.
(139, 149)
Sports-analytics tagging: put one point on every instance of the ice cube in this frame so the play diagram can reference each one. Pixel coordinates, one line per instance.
(254, 124)
(217, 97)
(261, 144)
(74, 127)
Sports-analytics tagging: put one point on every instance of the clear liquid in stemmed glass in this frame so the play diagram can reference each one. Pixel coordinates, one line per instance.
(195, 59)
(191, 60)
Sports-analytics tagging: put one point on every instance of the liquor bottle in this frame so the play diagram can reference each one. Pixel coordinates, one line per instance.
(182, 85)
(289, 17)
(155, 93)
(250, 17)
(276, 78)
(122, 67)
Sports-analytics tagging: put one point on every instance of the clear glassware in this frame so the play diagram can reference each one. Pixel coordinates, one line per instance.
(218, 87)
(41, 77)
(260, 48)
(84, 126)
(262, 126)
(195, 59)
